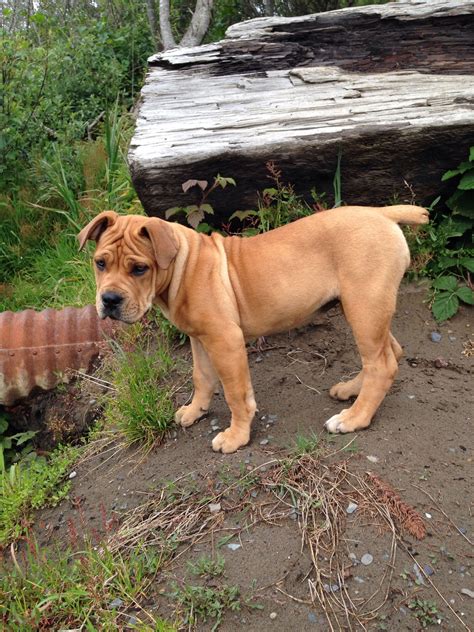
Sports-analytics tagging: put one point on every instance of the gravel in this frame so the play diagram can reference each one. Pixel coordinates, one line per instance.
(367, 559)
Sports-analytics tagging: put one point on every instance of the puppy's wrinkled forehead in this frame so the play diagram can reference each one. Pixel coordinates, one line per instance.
(125, 238)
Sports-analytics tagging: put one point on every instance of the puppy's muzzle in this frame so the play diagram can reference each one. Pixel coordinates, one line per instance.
(111, 302)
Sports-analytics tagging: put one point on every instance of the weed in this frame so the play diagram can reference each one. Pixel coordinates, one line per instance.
(425, 611)
(207, 567)
(306, 445)
(90, 589)
(31, 485)
(195, 213)
(443, 251)
(141, 408)
(200, 603)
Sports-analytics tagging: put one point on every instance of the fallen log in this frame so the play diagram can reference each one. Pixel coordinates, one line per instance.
(390, 86)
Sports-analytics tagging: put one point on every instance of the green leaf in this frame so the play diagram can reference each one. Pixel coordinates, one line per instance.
(465, 294)
(173, 211)
(444, 306)
(467, 181)
(207, 208)
(195, 218)
(468, 263)
(242, 215)
(463, 167)
(471, 154)
(448, 283)
(3, 424)
(203, 227)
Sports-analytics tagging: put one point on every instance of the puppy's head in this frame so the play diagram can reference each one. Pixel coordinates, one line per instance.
(131, 261)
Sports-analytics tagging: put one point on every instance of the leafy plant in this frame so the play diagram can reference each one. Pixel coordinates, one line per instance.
(200, 603)
(13, 447)
(425, 611)
(195, 213)
(443, 251)
(207, 567)
(448, 293)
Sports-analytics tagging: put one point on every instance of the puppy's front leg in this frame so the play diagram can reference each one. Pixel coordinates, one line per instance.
(229, 357)
(205, 381)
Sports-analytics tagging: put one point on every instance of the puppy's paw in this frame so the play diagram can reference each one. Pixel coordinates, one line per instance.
(187, 415)
(344, 390)
(336, 423)
(343, 422)
(229, 441)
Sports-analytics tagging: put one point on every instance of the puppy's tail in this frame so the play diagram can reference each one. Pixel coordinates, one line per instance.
(405, 214)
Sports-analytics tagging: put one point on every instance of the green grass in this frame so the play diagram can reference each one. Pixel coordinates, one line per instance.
(93, 589)
(141, 407)
(29, 485)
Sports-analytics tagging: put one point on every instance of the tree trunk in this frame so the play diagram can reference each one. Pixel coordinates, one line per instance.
(150, 11)
(165, 25)
(199, 24)
(391, 86)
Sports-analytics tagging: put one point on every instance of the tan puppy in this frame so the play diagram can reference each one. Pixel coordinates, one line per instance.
(223, 291)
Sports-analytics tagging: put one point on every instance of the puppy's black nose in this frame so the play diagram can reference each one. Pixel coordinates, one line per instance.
(111, 300)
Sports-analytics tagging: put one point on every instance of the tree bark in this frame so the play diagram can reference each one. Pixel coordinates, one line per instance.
(391, 85)
(199, 24)
(167, 37)
(150, 11)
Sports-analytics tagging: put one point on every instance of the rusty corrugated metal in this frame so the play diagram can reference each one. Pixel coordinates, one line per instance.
(37, 348)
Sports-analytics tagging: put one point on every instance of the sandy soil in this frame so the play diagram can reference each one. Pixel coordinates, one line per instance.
(420, 442)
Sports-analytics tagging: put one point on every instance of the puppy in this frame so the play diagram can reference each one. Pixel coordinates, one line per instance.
(224, 291)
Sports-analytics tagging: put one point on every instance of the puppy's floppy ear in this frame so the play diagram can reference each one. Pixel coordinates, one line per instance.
(96, 227)
(163, 239)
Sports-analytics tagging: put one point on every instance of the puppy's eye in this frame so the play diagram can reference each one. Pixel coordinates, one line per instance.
(100, 264)
(138, 269)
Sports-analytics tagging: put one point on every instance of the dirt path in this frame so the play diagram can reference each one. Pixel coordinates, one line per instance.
(420, 443)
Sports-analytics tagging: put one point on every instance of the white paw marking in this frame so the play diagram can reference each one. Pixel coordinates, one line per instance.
(335, 424)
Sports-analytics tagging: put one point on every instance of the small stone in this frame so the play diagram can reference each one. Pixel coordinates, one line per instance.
(214, 507)
(452, 338)
(435, 336)
(331, 588)
(359, 580)
(411, 396)
(132, 620)
(353, 557)
(312, 618)
(418, 574)
(272, 418)
(233, 546)
(293, 516)
(123, 506)
(351, 507)
(73, 474)
(254, 494)
(264, 442)
(463, 530)
(428, 515)
(441, 363)
(467, 592)
(372, 459)
(116, 603)
(428, 570)
(258, 359)
(366, 559)
(273, 615)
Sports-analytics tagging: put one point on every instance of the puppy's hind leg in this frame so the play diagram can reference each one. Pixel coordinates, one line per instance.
(351, 388)
(205, 383)
(380, 352)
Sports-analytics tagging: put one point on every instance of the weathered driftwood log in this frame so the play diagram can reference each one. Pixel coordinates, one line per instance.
(391, 86)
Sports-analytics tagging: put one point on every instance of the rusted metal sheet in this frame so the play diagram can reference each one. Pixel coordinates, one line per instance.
(38, 348)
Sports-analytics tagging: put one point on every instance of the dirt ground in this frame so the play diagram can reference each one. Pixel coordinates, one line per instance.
(420, 443)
